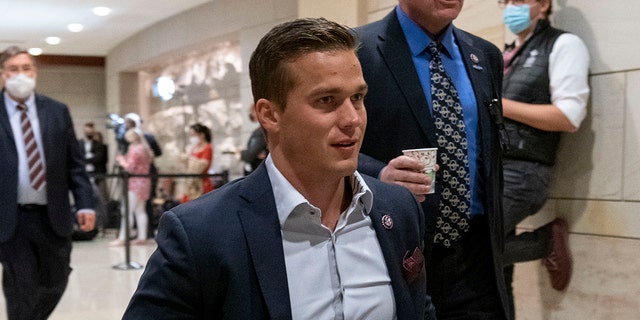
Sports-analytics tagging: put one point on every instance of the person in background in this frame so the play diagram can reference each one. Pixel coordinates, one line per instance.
(304, 236)
(434, 85)
(41, 163)
(198, 160)
(256, 150)
(545, 92)
(137, 160)
(133, 120)
(96, 155)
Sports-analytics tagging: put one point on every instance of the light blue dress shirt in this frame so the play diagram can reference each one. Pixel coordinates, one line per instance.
(339, 274)
(418, 41)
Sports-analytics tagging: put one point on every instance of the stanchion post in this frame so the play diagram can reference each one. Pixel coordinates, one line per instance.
(127, 264)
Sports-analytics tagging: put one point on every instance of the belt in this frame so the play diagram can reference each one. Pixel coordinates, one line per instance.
(32, 207)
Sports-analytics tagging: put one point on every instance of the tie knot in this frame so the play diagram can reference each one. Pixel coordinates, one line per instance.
(22, 107)
(434, 48)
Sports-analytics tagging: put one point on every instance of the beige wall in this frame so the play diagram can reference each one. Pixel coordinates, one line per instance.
(81, 88)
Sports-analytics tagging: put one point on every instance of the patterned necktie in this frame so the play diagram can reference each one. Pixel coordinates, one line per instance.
(34, 160)
(455, 197)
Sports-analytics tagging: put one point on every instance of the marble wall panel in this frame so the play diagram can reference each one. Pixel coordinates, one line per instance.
(632, 139)
(378, 5)
(602, 287)
(607, 29)
(589, 162)
(610, 218)
(484, 19)
(347, 12)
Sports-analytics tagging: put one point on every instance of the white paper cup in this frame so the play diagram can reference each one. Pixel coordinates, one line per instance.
(428, 156)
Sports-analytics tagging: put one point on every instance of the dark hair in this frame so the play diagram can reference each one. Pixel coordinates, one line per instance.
(11, 52)
(89, 124)
(270, 78)
(200, 128)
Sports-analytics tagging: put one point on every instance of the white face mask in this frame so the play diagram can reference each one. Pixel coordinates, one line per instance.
(193, 140)
(20, 86)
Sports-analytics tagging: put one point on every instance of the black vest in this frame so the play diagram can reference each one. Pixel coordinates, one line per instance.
(528, 81)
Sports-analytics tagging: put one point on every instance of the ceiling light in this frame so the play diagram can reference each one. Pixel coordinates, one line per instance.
(35, 51)
(101, 11)
(52, 40)
(75, 27)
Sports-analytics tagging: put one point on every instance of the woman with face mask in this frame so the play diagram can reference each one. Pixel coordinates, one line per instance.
(137, 160)
(545, 91)
(199, 160)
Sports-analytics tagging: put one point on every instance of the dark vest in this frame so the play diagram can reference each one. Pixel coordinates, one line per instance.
(528, 81)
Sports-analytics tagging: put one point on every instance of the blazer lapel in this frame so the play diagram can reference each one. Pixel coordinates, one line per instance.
(262, 229)
(395, 51)
(4, 118)
(479, 71)
(389, 240)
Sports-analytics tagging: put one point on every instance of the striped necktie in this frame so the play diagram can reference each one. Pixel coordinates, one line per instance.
(455, 197)
(34, 160)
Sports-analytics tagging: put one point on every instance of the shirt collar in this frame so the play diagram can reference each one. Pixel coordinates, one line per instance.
(12, 105)
(418, 39)
(288, 198)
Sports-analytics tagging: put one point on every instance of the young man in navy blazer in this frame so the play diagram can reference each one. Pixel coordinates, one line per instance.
(305, 236)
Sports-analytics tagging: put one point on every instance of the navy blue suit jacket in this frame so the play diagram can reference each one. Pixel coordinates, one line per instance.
(399, 118)
(221, 257)
(64, 168)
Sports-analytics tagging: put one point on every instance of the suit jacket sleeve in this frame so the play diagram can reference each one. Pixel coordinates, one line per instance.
(79, 181)
(168, 288)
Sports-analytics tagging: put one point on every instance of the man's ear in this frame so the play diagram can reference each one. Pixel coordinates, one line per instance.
(268, 114)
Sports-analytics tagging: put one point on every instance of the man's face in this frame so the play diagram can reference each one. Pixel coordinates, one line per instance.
(89, 132)
(432, 15)
(21, 63)
(321, 130)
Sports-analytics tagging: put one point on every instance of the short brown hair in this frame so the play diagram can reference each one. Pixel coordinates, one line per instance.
(11, 52)
(286, 42)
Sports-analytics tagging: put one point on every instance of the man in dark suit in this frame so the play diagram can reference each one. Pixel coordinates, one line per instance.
(464, 271)
(96, 155)
(304, 236)
(41, 162)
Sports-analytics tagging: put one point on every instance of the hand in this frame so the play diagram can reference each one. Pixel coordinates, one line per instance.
(86, 220)
(120, 160)
(407, 172)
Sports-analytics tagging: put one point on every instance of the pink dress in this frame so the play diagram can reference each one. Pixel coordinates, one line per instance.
(138, 161)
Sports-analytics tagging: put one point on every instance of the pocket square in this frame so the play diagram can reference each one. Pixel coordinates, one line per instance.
(412, 264)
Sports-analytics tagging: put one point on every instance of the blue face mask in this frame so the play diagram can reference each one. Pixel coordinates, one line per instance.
(517, 18)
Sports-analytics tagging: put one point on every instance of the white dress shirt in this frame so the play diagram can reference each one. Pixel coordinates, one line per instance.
(338, 274)
(569, 77)
(26, 194)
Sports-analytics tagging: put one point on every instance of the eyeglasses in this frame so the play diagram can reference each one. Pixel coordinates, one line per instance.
(503, 3)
